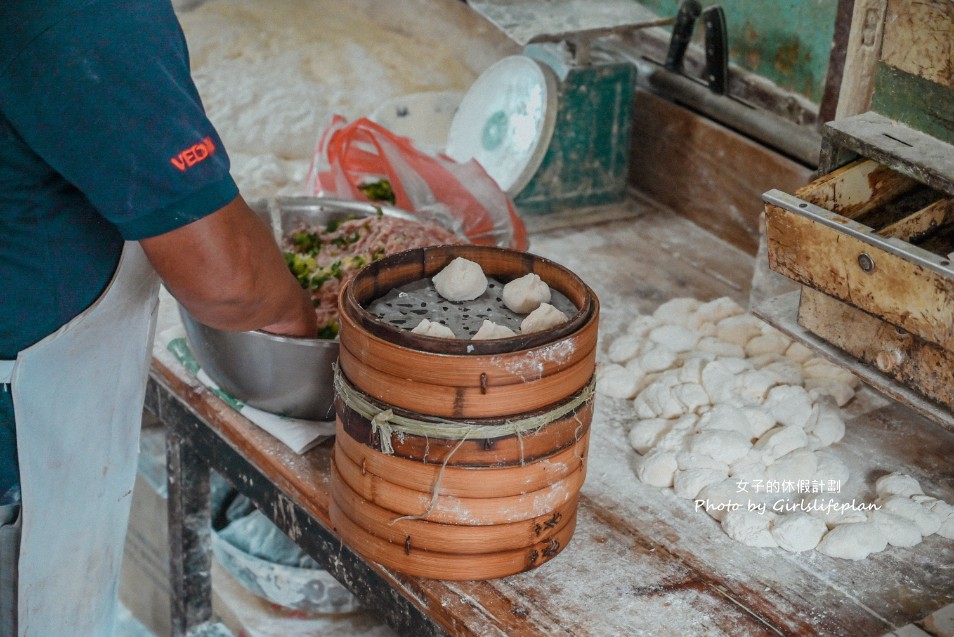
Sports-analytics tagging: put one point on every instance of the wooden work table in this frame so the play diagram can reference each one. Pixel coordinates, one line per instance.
(642, 561)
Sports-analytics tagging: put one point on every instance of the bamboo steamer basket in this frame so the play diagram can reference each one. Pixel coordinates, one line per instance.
(458, 378)
(427, 499)
(477, 452)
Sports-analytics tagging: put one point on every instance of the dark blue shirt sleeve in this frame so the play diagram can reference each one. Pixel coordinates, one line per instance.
(105, 97)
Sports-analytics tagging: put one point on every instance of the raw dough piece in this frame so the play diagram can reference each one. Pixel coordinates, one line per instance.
(799, 353)
(694, 460)
(830, 469)
(759, 420)
(688, 483)
(676, 311)
(840, 392)
(614, 380)
(769, 343)
(798, 532)
(736, 364)
(898, 484)
(460, 280)
(657, 359)
(542, 318)
(795, 466)
(675, 337)
(714, 311)
(751, 528)
(946, 512)
(641, 324)
(725, 446)
(853, 541)
(433, 328)
(657, 400)
(657, 468)
(624, 348)
(826, 427)
(821, 368)
(644, 435)
(927, 521)
(749, 467)
(718, 379)
(525, 294)
(789, 404)
(691, 370)
(718, 498)
(779, 441)
(642, 378)
(726, 418)
(897, 530)
(490, 330)
(739, 329)
(784, 372)
(674, 440)
(719, 347)
(692, 396)
(752, 385)
(833, 512)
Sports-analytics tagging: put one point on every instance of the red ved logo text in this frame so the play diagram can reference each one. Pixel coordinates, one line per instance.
(193, 155)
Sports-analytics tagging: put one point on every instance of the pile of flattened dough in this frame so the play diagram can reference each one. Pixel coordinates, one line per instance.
(734, 415)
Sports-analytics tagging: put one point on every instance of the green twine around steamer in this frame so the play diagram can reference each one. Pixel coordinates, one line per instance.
(385, 423)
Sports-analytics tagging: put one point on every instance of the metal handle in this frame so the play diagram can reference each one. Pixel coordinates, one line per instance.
(689, 11)
(717, 50)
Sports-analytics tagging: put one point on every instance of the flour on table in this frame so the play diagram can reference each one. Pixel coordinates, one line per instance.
(732, 414)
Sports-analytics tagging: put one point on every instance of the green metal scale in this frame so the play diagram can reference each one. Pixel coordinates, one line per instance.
(552, 125)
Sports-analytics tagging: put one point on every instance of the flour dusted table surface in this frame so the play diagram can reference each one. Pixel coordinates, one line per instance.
(642, 561)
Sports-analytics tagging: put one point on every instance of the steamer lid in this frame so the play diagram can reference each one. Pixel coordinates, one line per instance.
(505, 121)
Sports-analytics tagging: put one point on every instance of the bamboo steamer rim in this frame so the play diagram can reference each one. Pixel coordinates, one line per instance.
(530, 420)
(505, 451)
(449, 566)
(471, 402)
(448, 538)
(379, 353)
(464, 482)
(419, 263)
(453, 510)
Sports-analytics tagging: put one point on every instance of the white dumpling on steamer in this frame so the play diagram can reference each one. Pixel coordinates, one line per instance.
(542, 318)
(525, 294)
(433, 328)
(460, 280)
(490, 330)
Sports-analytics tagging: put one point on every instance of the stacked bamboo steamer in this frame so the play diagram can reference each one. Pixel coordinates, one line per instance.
(460, 459)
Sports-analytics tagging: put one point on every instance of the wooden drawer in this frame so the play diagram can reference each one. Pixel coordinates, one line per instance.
(871, 248)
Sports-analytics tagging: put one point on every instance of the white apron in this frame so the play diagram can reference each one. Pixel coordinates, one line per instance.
(78, 397)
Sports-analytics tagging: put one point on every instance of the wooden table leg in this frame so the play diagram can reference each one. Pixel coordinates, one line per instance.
(190, 549)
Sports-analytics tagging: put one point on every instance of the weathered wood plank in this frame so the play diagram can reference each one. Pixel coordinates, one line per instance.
(864, 47)
(897, 289)
(856, 189)
(704, 171)
(894, 145)
(920, 224)
(919, 39)
(923, 366)
(782, 312)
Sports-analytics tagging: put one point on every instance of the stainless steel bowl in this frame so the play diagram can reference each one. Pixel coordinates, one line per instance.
(287, 376)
